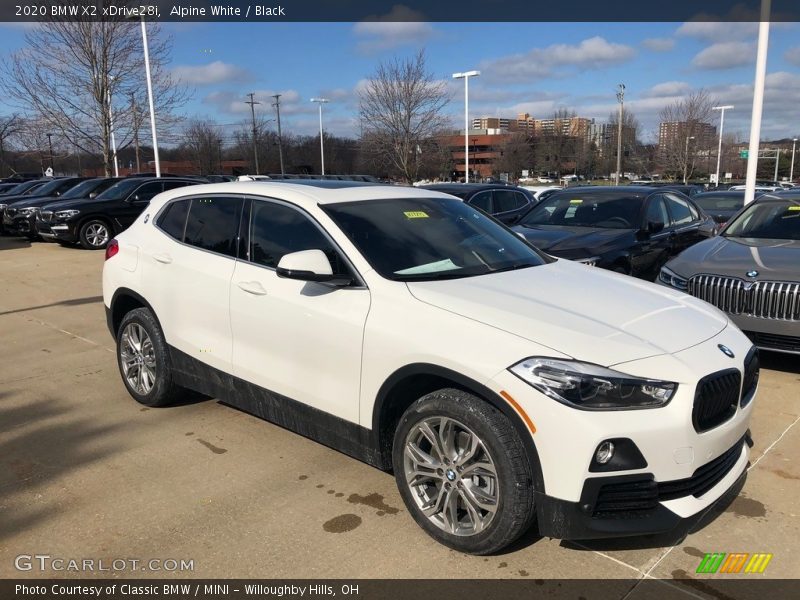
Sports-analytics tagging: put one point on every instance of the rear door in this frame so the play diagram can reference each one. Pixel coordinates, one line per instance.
(126, 211)
(685, 221)
(654, 249)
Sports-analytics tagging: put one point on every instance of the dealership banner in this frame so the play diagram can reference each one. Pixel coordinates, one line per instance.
(379, 589)
(396, 10)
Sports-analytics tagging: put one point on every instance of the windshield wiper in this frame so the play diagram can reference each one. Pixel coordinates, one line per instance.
(512, 267)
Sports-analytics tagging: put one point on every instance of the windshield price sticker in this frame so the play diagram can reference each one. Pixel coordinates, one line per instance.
(415, 214)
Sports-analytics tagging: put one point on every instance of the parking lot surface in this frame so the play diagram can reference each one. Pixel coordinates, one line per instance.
(86, 472)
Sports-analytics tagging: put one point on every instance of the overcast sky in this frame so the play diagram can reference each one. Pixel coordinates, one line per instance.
(526, 67)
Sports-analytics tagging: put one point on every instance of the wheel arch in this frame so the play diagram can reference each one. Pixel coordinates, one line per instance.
(123, 301)
(406, 385)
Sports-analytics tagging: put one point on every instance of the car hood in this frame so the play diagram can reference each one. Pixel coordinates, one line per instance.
(569, 241)
(33, 201)
(66, 204)
(587, 313)
(775, 260)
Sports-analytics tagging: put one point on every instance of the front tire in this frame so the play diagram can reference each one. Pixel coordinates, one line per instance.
(463, 472)
(94, 234)
(143, 359)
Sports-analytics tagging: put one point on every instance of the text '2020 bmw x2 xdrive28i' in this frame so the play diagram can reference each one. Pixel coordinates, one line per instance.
(408, 329)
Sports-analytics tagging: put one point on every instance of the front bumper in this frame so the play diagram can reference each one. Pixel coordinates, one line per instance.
(574, 502)
(20, 225)
(63, 232)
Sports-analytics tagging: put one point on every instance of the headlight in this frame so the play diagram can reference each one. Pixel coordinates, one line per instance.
(672, 279)
(592, 387)
(3, 207)
(66, 214)
(591, 261)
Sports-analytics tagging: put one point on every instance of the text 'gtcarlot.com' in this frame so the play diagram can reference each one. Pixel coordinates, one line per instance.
(46, 562)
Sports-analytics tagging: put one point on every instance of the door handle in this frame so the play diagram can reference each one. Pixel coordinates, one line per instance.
(252, 287)
(163, 258)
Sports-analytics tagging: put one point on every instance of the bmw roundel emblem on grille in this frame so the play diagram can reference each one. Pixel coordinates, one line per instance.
(752, 273)
(726, 351)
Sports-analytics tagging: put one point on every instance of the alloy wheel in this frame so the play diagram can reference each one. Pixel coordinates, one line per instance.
(97, 234)
(451, 476)
(138, 360)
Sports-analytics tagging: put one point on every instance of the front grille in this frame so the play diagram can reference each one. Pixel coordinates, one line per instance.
(771, 341)
(636, 498)
(764, 299)
(45, 216)
(716, 399)
(10, 212)
(704, 478)
(752, 370)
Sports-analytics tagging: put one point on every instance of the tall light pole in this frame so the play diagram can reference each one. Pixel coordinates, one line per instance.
(150, 98)
(621, 100)
(277, 106)
(321, 101)
(252, 104)
(791, 169)
(758, 101)
(111, 125)
(777, 160)
(50, 143)
(722, 110)
(686, 159)
(465, 76)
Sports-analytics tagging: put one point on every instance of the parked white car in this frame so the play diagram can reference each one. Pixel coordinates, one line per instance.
(538, 190)
(414, 332)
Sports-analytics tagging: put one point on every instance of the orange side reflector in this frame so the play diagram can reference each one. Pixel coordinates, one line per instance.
(519, 410)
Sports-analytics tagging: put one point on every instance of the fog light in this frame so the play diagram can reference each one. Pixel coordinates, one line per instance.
(605, 452)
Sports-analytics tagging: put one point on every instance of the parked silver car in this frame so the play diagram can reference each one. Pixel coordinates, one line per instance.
(751, 271)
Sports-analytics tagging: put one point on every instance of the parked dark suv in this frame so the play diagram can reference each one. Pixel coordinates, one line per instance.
(93, 222)
(507, 203)
(13, 205)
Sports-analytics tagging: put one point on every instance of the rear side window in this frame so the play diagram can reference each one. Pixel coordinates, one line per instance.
(657, 211)
(213, 224)
(507, 200)
(173, 220)
(482, 201)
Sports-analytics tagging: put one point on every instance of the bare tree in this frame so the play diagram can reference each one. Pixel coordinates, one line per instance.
(401, 109)
(634, 154)
(8, 127)
(555, 142)
(516, 155)
(203, 142)
(686, 121)
(69, 73)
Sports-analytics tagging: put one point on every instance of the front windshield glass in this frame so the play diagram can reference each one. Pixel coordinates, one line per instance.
(34, 188)
(120, 190)
(50, 187)
(419, 239)
(719, 201)
(768, 220)
(82, 190)
(587, 209)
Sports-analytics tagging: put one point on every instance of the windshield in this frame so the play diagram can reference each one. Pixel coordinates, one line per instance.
(420, 239)
(719, 201)
(34, 188)
(587, 209)
(768, 220)
(83, 189)
(51, 187)
(121, 189)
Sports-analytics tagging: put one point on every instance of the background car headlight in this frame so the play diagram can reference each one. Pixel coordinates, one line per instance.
(66, 214)
(592, 387)
(3, 207)
(672, 279)
(591, 261)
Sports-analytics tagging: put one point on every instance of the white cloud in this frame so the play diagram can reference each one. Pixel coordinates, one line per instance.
(215, 72)
(659, 44)
(793, 56)
(401, 26)
(592, 53)
(667, 89)
(717, 31)
(725, 55)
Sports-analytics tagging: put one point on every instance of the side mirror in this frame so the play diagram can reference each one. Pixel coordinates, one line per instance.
(309, 265)
(92, 195)
(654, 227)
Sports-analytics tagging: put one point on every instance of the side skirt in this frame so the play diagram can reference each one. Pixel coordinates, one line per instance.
(334, 432)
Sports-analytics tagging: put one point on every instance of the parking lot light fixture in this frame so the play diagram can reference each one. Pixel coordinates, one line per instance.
(321, 101)
(791, 169)
(621, 100)
(686, 159)
(722, 110)
(758, 101)
(465, 76)
(150, 98)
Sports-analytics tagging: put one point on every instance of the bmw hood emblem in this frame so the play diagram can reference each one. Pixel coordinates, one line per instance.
(752, 273)
(726, 351)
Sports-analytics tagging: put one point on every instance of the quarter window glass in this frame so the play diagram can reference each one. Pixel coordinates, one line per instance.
(657, 211)
(277, 230)
(213, 224)
(173, 220)
(482, 201)
(506, 201)
(147, 192)
(679, 209)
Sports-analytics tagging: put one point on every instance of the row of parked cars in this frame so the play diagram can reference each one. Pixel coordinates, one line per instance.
(745, 261)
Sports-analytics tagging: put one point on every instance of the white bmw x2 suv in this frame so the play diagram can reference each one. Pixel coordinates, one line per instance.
(405, 328)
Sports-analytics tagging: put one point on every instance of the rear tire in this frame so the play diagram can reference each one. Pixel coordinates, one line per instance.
(463, 472)
(143, 360)
(94, 234)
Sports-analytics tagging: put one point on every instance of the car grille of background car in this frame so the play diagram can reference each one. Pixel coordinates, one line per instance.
(45, 216)
(765, 299)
